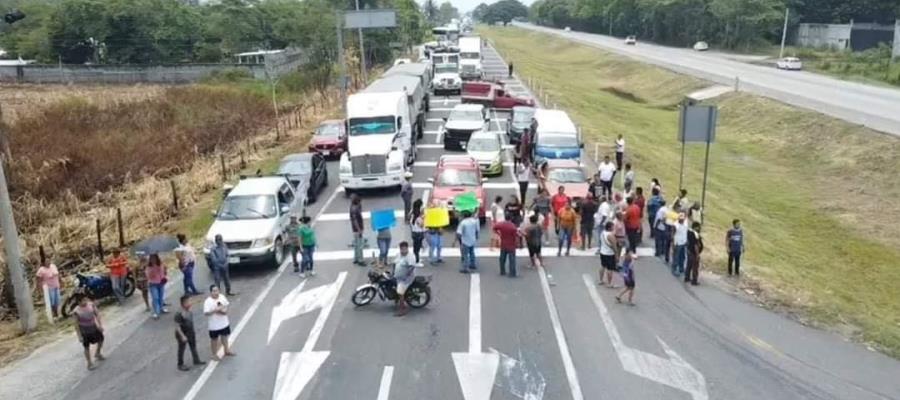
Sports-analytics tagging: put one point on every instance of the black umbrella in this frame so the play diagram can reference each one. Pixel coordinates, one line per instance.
(156, 244)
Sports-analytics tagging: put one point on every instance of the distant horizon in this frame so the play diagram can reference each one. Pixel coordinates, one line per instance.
(465, 6)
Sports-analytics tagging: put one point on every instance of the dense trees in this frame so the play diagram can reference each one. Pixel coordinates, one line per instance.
(169, 31)
(446, 12)
(501, 11)
(735, 24)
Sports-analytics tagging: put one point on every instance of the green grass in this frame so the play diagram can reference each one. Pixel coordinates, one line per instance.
(819, 197)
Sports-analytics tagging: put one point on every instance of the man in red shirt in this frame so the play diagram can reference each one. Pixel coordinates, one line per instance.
(118, 270)
(509, 240)
(557, 203)
(632, 224)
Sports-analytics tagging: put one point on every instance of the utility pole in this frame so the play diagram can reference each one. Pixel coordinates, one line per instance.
(21, 289)
(784, 31)
(362, 53)
(342, 67)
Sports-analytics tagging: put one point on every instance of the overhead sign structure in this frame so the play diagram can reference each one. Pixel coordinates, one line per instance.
(380, 18)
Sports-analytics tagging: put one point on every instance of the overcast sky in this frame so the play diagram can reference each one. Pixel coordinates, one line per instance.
(468, 5)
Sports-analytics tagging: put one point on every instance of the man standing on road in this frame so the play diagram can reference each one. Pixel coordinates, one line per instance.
(509, 238)
(293, 234)
(679, 240)
(558, 202)
(533, 233)
(523, 176)
(628, 179)
(118, 270)
(467, 236)
(218, 257)
(406, 193)
(185, 334)
(734, 242)
(215, 307)
(633, 222)
(694, 248)
(661, 235)
(607, 254)
(308, 245)
(587, 210)
(404, 274)
(653, 206)
(510, 69)
(607, 171)
(356, 223)
(567, 220)
(620, 152)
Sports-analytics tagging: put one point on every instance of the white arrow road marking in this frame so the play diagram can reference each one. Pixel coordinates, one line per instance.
(673, 372)
(476, 370)
(384, 390)
(296, 369)
(521, 379)
(297, 303)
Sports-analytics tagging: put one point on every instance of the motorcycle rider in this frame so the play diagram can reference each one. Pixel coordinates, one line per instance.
(404, 275)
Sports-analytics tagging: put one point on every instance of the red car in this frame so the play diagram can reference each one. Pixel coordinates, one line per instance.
(568, 174)
(455, 175)
(329, 138)
(492, 94)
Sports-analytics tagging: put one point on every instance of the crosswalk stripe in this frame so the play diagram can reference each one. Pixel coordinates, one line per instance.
(453, 252)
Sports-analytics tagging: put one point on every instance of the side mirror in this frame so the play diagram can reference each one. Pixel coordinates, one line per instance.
(483, 180)
(430, 180)
(285, 209)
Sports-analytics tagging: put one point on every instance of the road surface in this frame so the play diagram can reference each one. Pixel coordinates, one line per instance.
(875, 107)
(485, 336)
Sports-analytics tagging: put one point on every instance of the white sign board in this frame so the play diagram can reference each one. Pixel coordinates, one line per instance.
(380, 18)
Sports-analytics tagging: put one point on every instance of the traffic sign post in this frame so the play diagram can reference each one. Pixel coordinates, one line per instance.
(697, 124)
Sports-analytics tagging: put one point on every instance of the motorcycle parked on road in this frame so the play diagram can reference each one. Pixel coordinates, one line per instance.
(383, 285)
(95, 287)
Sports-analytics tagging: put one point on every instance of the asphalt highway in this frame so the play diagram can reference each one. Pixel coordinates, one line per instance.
(486, 336)
(872, 106)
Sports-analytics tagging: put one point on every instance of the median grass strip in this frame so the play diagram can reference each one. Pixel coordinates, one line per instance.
(819, 197)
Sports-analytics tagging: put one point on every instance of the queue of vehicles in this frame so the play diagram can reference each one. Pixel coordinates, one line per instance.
(376, 143)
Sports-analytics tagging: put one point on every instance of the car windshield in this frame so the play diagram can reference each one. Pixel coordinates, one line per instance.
(522, 117)
(328, 130)
(444, 69)
(557, 141)
(470, 56)
(248, 207)
(483, 144)
(372, 126)
(295, 167)
(567, 175)
(465, 115)
(456, 177)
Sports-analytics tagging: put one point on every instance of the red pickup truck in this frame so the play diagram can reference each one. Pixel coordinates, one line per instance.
(491, 94)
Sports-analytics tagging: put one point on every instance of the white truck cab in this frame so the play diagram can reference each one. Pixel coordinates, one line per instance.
(470, 57)
(446, 73)
(252, 220)
(378, 126)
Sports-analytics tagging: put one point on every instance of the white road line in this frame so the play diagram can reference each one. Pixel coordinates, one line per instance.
(384, 390)
(425, 195)
(440, 109)
(568, 364)
(430, 146)
(475, 314)
(207, 372)
(346, 216)
(431, 132)
(434, 120)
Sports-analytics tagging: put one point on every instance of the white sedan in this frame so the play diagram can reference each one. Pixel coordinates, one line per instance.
(790, 63)
(701, 46)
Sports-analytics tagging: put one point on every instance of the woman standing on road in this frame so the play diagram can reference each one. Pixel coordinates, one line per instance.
(48, 276)
(418, 229)
(186, 261)
(89, 329)
(156, 279)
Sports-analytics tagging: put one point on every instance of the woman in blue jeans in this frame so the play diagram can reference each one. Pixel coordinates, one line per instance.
(435, 244)
(384, 244)
(186, 261)
(156, 280)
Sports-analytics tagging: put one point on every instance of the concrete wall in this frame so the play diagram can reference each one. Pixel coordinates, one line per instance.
(129, 74)
(832, 36)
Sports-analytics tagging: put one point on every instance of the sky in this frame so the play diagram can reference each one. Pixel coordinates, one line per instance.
(468, 5)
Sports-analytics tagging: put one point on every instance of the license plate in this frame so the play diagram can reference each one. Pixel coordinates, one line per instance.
(326, 153)
(234, 260)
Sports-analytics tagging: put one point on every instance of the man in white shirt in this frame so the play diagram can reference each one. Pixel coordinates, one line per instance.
(523, 176)
(620, 151)
(404, 274)
(679, 241)
(607, 171)
(216, 310)
(603, 215)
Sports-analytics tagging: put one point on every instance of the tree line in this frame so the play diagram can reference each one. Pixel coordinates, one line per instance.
(172, 31)
(502, 11)
(733, 24)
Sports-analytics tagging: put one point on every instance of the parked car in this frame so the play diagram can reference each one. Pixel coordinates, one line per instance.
(790, 63)
(631, 40)
(487, 149)
(701, 46)
(455, 175)
(568, 174)
(463, 120)
(307, 172)
(329, 139)
(519, 119)
(252, 220)
(491, 94)
(568, 29)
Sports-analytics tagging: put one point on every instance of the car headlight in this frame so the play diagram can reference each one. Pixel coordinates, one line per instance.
(264, 242)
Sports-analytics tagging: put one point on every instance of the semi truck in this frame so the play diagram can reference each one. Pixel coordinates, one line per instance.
(470, 58)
